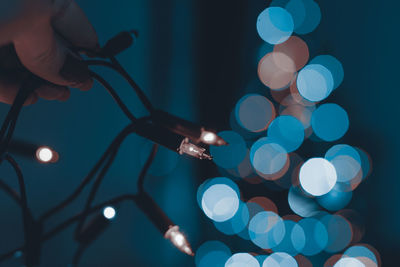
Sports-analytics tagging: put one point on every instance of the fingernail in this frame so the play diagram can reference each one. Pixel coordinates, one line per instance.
(32, 99)
(74, 70)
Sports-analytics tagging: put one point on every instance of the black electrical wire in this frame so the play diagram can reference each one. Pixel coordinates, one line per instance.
(114, 94)
(97, 184)
(10, 192)
(146, 167)
(89, 177)
(78, 255)
(120, 70)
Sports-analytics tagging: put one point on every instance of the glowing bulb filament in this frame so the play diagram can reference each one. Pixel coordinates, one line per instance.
(178, 240)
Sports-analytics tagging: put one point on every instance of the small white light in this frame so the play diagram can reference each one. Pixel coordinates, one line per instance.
(209, 137)
(178, 240)
(109, 213)
(44, 154)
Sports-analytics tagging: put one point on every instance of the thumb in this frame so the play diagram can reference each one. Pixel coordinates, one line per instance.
(44, 55)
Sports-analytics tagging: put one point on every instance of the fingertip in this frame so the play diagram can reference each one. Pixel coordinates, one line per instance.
(65, 96)
(32, 99)
(86, 86)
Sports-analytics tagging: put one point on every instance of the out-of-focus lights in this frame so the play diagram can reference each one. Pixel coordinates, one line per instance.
(335, 224)
(275, 25)
(287, 131)
(109, 213)
(294, 239)
(254, 112)
(317, 176)
(316, 236)
(266, 229)
(276, 70)
(296, 49)
(335, 199)
(242, 260)
(349, 262)
(306, 15)
(302, 204)
(45, 154)
(178, 240)
(315, 82)
(212, 253)
(333, 65)
(330, 122)
(280, 259)
(268, 158)
(220, 202)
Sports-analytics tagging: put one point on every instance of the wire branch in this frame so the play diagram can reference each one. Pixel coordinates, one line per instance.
(146, 167)
(119, 69)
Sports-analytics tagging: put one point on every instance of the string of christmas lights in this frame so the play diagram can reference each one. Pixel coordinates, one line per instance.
(160, 127)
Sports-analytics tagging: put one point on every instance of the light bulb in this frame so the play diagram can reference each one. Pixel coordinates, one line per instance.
(45, 154)
(178, 240)
(109, 213)
(211, 138)
(193, 150)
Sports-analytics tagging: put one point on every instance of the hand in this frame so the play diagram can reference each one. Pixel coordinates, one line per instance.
(34, 37)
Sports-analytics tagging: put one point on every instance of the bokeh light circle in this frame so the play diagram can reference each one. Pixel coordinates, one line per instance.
(242, 260)
(280, 259)
(275, 25)
(335, 199)
(306, 15)
(237, 223)
(296, 49)
(301, 204)
(232, 155)
(317, 176)
(339, 232)
(287, 131)
(333, 65)
(268, 158)
(266, 229)
(254, 112)
(316, 236)
(314, 82)
(294, 239)
(330, 122)
(276, 70)
(212, 253)
(220, 202)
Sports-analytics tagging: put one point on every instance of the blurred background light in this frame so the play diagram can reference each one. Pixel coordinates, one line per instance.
(301, 204)
(335, 199)
(237, 223)
(220, 202)
(317, 176)
(315, 82)
(330, 122)
(276, 70)
(280, 259)
(254, 112)
(275, 25)
(364, 253)
(231, 155)
(266, 229)
(294, 239)
(339, 232)
(287, 131)
(349, 262)
(333, 65)
(212, 253)
(306, 15)
(296, 49)
(242, 260)
(316, 236)
(302, 113)
(269, 159)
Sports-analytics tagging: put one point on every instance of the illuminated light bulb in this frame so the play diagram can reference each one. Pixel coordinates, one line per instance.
(211, 138)
(109, 213)
(178, 240)
(193, 150)
(45, 154)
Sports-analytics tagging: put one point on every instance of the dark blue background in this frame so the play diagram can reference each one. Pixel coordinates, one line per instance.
(195, 59)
